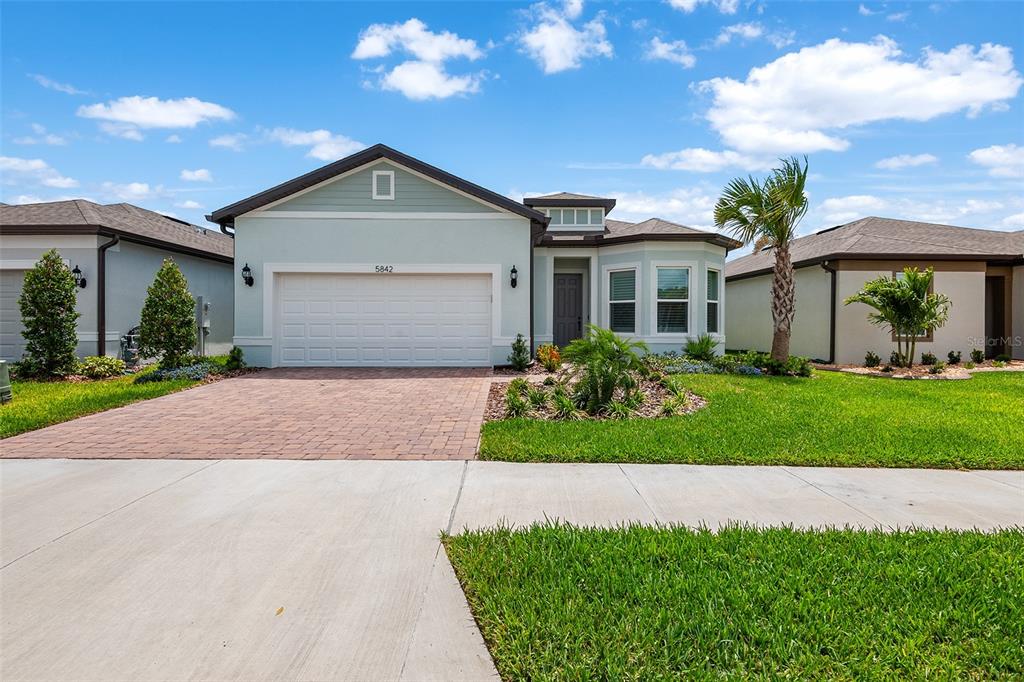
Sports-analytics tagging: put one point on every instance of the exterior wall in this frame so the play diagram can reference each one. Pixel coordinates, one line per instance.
(131, 268)
(748, 317)
(1017, 310)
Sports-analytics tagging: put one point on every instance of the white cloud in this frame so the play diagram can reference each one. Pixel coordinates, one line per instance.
(125, 117)
(557, 45)
(189, 204)
(845, 209)
(800, 101)
(675, 52)
(424, 77)
(33, 171)
(865, 12)
(41, 136)
(233, 141)
(1001, 160)
(1015, 221)
(702, 160)
(839, 210)
(197, 175)
(173, 139)
(906, 161)
(691, 206)
(51, 84)
(723, 6)
(131, 191)
(746, 31)
(323, 144)
(897, 16)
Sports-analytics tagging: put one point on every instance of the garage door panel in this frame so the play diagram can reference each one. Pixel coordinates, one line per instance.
(405, 320)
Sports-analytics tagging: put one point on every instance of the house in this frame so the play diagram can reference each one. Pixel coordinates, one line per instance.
(981, 271)
(380, 259)
(115, 251)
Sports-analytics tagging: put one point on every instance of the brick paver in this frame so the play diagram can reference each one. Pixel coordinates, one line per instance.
(322, 413)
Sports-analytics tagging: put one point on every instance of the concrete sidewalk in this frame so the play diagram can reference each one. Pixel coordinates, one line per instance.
(254, 569)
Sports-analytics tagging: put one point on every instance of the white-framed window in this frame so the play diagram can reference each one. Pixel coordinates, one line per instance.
(384, 185)
(590, 218)
(713, 298)
(672, 300)
(622, 301)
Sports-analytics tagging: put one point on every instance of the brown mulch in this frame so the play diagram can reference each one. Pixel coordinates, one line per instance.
(654, 393)
(954, 372)
(509, 371)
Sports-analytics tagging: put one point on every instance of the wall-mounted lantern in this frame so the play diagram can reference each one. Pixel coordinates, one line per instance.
(79, 279)
(247, 276)
(514, 277)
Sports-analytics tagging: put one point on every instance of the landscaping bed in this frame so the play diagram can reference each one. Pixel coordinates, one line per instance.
(930, 371)
(560, 602)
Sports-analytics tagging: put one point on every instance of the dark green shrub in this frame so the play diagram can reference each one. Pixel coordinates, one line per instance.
(519, 385)
(795, 366)
(550, 381)
(100, 367)
(603, 363)
(236, 359)
(519, 358)
(936, 367)
(168, 327)
(725, 363)
(977, 356)
(537, 397)
(515, 404)
(563, 405)
(1003, 357)
(871, 359)
(755, 358)
(702, 348)
(887, 369)
(48, 315)
(895, 359)
(954, 357)
(618, 410)
(928, 358)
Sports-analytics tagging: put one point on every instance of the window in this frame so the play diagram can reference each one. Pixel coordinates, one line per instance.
(384, 185)
(712, 299)
(622, 301)
(576, 217)
(673, 300)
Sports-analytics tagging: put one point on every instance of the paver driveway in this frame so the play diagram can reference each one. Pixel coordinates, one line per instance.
(286, 413)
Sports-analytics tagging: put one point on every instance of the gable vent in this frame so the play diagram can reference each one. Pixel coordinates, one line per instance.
(384, 185)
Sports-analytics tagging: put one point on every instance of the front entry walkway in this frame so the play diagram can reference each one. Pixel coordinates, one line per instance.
(285, 414)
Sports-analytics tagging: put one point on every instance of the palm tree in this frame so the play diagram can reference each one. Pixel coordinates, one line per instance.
(768, 212)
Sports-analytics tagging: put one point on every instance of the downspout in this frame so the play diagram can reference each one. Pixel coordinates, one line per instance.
(831, 269)
(532, 348)
(101, 295)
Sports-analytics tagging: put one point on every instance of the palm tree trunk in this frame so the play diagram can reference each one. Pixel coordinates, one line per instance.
(783, 303)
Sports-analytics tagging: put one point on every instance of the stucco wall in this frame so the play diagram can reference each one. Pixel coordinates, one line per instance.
(748, 317)
(1017, 308)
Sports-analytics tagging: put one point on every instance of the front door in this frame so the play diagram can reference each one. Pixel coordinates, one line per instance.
(995, 317)
(568, 308)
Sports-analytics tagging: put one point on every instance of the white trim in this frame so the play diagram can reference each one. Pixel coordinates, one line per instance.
(21, 263)
(252, 341)
(692, 295)
(637, 288)
(49, 241)
(382, 215)
(374, 194)
(721, 306)
(93, 337)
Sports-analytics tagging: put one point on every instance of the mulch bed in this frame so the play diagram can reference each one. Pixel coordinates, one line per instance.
(531, 369)
(919, 371)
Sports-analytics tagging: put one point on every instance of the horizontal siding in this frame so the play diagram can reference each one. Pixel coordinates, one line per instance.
(412, 194)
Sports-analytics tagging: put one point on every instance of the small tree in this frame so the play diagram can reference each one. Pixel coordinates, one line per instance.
(906, 306)
(49, 318)
(168, 327)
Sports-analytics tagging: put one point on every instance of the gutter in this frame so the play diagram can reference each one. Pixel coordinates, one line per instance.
(101, 295)
(828, 267)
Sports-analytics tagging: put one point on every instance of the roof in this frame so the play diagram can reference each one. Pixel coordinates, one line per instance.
(652, 229)
(125, 220)
(226, 216)
(569, 200)
(886, 238)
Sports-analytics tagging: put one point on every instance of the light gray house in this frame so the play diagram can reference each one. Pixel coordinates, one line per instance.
(981, 271)
(380, 259)
(115, 251)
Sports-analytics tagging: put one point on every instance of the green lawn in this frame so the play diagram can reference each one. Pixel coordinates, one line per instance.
(831, 419)
(40, 403)
(561, 603)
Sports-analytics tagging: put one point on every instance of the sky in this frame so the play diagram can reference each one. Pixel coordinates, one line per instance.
(904, 109)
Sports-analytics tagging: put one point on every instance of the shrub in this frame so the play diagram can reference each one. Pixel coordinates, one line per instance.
(537, 396)
(519, 385)
(633, 400)
(954, 357)
(969, 365)
(675, 405)
(977, 356)
(168, 327)
(999, 363)
(618, 410)
(100, 367)
(236, 359)
(603, 363)
(725, 363)
(196, 372)
(754, 359)
(549, 357)
(747, 370)
(895, 359)
(519, 358)
(48, 315)
(887, 369)
(1002, 357)
(693, 367)
(564, 407)
(550, 381)
(795, 366)
(871, 359)
(515, 404)
(937, 367)
(928, 358)
(702, 348)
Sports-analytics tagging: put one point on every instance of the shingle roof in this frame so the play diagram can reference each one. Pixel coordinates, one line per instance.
(654, 229)
(125, 219)
(874, 237)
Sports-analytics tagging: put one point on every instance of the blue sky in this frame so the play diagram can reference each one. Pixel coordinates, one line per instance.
(907, 110)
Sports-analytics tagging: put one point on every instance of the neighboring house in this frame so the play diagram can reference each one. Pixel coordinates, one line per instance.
(117, 249)
(380, 259)
(981, 271)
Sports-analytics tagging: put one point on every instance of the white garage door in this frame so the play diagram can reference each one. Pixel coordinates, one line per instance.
(12, 344)
(383, 320)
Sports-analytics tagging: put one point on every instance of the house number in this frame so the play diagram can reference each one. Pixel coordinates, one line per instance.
(384, 268)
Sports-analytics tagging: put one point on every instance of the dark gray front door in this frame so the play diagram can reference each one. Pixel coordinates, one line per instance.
(568, 308)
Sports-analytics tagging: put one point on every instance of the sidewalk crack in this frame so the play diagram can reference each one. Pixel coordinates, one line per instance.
(837, 499)
(640, 495)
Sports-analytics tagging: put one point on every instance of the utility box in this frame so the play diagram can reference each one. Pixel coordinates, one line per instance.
(5, 382)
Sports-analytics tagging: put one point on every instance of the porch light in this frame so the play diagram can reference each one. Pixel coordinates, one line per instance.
(247, 276)
(79, 279)
(514, 277)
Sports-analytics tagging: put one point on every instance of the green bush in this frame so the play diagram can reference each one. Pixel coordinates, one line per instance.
(895, 359)
(702, 348)
(515, 404)
(795, 366)
(236, 359)
(954, 357)
(602, 364)
(969, 365)
(48, 315)
(977, 356)
(537, 397)
(928, 358)
(519, 358)
(168, 327)
(1003, 357)
(100, 367)
(519, 385)
(936, 367)
(871, 359)
(999, 363)
(563, 405)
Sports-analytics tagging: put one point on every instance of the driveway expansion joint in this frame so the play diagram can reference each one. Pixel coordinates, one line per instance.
(837, 499)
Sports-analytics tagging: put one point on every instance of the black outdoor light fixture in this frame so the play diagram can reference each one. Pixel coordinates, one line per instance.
(514, 277)
(247, 276)
(79, 279)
